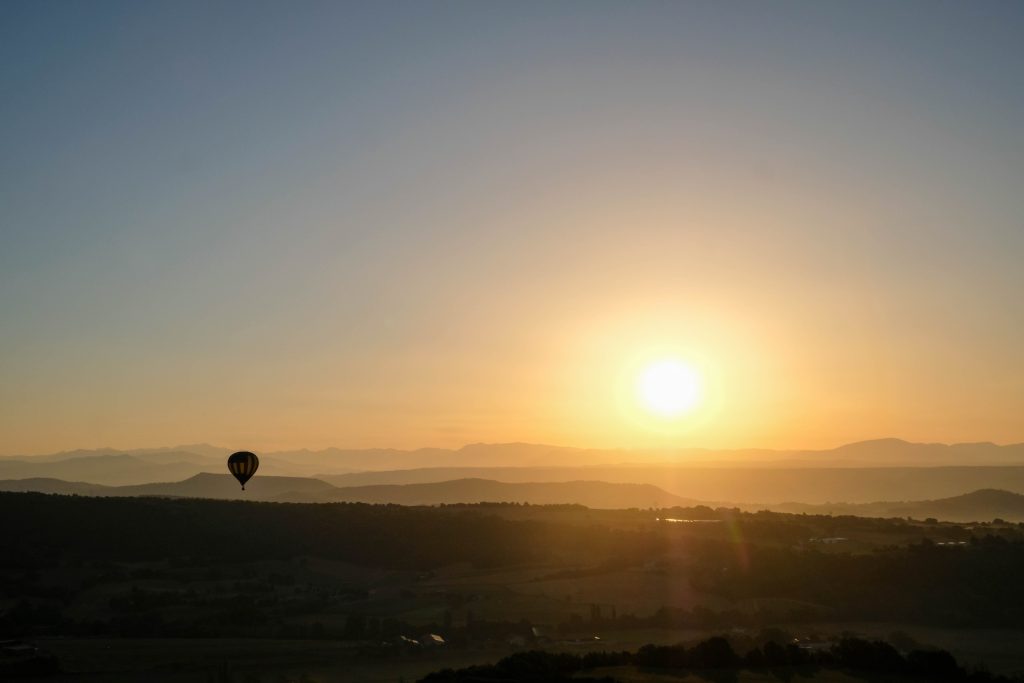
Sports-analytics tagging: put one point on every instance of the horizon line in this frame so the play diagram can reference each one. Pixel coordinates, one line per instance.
(656, 449)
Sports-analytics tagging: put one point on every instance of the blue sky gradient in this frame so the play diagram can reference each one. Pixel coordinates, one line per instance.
(406, 223)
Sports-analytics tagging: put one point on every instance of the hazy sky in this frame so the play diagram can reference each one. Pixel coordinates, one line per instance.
(294, 224)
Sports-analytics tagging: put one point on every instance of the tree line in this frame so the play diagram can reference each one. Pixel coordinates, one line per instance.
(716, 654)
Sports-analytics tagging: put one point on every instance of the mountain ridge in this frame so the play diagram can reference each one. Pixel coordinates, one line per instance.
(859, 472)
(981, 505)
(309, 490)
(883, 450)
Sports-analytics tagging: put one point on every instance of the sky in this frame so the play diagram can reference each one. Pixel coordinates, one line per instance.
(406, 224)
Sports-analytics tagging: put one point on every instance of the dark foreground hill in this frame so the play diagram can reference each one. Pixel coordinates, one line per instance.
(162, 554)
(53, 529)
(716, 659)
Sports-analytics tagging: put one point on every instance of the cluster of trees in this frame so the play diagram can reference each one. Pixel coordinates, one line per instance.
(138, 614)
(848, 654)
(53, 529)
(976, 585)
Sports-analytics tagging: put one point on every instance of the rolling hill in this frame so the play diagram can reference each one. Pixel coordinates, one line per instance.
(305, 490)
(594, 494)
(978, 506)
(740, 485)
(908, 470)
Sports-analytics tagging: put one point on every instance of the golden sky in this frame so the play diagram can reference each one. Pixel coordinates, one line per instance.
(413, 226)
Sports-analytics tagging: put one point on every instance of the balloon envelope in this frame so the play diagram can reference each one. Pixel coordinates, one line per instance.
(243, 465)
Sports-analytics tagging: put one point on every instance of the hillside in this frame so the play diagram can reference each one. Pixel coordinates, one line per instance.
(204, 485)
(740, 485)
(593, 494)
(764, 478)
(982, 505)
(305, 490)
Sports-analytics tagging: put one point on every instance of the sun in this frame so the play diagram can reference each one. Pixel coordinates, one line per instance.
(669, 388)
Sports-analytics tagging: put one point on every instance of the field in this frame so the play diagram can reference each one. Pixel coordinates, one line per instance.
(386, 584)
(629, 674)
(103, 660)
(326, 661)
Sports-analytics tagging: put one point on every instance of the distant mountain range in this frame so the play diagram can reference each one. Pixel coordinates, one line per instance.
(883, 469)
(115, 469)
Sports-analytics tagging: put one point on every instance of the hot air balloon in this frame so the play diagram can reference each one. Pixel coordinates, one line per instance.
(243, 465)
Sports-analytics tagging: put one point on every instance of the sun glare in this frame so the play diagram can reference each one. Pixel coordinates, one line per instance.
(669, 388)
